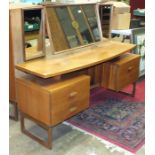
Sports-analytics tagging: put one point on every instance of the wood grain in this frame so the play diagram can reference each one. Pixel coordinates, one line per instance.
(58, 37)
(50, 101)
(87, 57)
(12, 88)
(33, 100)
(17, 35)
(68, 98)
(120, 72)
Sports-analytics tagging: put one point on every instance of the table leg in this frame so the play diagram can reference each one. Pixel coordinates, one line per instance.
(47, 143)
(133, 90)
(15, 116)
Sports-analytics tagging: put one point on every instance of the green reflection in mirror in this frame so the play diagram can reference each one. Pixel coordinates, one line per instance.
(33, 37)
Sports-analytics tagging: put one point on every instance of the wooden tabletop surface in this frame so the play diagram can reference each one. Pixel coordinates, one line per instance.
(86, 57)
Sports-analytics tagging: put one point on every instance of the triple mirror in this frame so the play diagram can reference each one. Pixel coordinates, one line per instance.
(72, 26)
(64, 26)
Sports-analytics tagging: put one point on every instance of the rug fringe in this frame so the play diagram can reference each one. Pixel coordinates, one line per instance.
(111, 147)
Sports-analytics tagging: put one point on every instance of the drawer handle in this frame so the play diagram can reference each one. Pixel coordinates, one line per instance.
(73, 94)
(130, 68)
(72, 109)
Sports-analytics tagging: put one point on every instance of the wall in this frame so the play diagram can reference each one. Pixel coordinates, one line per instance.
(137, 4)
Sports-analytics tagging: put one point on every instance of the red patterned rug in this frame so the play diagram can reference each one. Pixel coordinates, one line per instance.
(114, 117)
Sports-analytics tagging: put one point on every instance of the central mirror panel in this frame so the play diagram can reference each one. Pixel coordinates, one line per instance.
(71, 26)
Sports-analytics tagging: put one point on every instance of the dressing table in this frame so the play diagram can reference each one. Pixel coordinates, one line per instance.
(56, 85)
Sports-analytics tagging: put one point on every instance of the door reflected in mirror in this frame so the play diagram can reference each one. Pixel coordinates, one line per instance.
(33, 34)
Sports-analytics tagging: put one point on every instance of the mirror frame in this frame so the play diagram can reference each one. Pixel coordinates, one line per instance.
(80, 46)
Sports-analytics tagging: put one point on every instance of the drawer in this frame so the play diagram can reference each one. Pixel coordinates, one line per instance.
(51, 102)
(69, 98)
(120, 72)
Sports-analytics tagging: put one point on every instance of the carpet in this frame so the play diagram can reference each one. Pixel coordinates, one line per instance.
(115, 117)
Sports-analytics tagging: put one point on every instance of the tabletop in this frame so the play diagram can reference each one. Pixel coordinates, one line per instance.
(73, 61)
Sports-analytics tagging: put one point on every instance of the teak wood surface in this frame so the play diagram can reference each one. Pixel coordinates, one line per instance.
(52, 102)
(83, 58)
(121, 71)
(12, 88)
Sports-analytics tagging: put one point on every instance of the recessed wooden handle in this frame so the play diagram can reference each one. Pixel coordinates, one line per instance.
(130, 68)
(72, 94)
(72, 109)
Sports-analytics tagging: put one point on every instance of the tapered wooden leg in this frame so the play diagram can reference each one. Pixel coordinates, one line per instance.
(47, 143)
(15, 115)
(133, 90)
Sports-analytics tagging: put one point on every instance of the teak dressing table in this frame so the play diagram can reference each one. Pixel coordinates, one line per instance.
(50, 107)
(52, 89)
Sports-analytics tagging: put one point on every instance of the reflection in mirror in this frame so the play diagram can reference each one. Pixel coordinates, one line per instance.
(83, 29)
(65, 21)
(33, 34)
(92, 20)
(105, 13)
(72, 26)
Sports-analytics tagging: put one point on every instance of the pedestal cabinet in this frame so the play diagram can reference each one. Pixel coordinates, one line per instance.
(49, 102)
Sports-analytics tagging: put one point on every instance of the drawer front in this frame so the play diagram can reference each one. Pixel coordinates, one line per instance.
(70, 99)
(127, 73)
